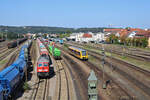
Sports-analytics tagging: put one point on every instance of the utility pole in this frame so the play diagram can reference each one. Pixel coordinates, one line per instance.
(17, 41)
(103, 62)
(6, 33)
(2, 35)
(6, 36)
(111, 56)
(124, 51)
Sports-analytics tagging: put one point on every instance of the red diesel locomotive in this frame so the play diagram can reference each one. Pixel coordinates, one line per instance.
(44, 66)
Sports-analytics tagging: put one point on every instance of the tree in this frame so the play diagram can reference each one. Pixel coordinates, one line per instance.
(108, 40)
(128, 41)
(144, 42)
(122, 39)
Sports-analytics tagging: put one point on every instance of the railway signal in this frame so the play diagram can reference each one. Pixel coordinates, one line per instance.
(92, 86)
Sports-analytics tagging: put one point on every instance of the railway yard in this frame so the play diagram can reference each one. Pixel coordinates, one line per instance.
(46, 70)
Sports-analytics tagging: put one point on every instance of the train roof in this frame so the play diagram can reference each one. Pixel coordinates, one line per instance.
(7, 71)
(45, 58)
(56, 49)
(79, 49)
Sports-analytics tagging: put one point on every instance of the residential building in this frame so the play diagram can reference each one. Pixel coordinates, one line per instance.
(87, 37)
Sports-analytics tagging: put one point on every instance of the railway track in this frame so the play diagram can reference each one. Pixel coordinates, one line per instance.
(119, 92)
(7, 51)
(11, 59)
(143, 85)
(134, 67)
(11, 54)
(130, 72)
(133, 53)
(41, 90)
(119, 51)
(2, 50)
(2, 44)
(79, 77)
(140, 84)
(64, 93)
(5, 54)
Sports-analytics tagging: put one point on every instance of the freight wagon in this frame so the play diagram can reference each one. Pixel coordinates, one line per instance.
(1, 40)
(61, 41)
(12, 76)
(15, 42)
(55, 52)
(42, 48)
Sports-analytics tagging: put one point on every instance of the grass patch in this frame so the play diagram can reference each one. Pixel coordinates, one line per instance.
(4, 61)
(97, 51)
(123, 57)
(26, 86)
(66, 45)
(91, 58)
(139, 63)
(141, 48)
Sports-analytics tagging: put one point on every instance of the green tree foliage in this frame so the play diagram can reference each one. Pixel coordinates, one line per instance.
(64, 35)
(44, 29)
(144, 42)
(10, 35)
(138, 42)
(113, 39)
(1, 35)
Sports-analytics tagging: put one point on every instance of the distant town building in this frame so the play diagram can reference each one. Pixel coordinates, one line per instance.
(149, 42)
(128, 32)
(87, 37)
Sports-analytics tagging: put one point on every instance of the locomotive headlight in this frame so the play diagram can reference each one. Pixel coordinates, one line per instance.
(40, 70)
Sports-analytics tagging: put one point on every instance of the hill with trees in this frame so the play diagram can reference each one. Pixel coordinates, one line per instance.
(45, 29)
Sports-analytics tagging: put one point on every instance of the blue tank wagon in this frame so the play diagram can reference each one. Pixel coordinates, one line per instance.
(11, 76)
(1, 92)
(21, 65)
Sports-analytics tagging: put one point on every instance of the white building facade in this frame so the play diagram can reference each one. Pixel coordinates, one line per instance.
(96, 37)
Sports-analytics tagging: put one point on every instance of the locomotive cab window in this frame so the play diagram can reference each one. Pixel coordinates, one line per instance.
(78, 53)
(83, 53)
(40, 65)
(45, 64)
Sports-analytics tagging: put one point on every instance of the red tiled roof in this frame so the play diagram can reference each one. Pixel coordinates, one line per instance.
(86, 35)
(136, 29)
(113, 30)
(124, 33)
(144, 33)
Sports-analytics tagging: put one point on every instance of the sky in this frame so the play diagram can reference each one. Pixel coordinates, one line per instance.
(76, 13)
